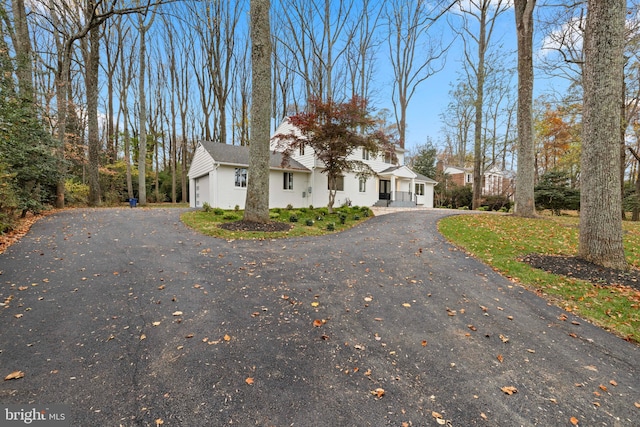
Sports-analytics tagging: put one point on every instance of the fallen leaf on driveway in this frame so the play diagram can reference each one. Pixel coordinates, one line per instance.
(19, 315)
(636, 404)
(574, 421)
(406, 305)
(613, 383)
(159, 422)
(315, 304)
(509, 390)
(249, 381)
(500, 358)
(227, 338)
(156, 323)
(143, 337)
(504, 339)
(379, 392)
(177, 313)
(14, 375)
(317, 323)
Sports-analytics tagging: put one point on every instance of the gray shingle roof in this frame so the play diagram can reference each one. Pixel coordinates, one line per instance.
(239, 155)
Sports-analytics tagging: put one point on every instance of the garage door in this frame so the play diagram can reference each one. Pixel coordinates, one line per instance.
(202, 191)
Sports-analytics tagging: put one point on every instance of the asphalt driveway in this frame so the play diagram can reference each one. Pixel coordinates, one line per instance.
(132, 319)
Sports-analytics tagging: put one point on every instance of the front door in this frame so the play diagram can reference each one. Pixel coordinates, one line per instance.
(385, 190)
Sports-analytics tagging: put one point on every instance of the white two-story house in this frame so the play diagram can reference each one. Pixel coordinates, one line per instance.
(218, 176)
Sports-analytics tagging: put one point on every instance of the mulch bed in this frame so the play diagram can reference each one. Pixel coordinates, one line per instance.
(571, 266)
(255, 226)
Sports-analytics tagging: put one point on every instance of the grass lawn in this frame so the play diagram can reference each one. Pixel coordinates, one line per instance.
(304, 221)
(501, 240)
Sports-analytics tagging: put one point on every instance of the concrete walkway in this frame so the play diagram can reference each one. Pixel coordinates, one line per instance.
(132, 319)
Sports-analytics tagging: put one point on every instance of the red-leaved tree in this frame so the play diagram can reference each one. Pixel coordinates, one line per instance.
(335, 131)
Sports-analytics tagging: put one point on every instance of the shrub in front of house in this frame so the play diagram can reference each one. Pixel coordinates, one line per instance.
(218, 211)
(331, 226)
(274, 215)
(289, 206)
(230, 217)
(206, 207)
(293, 218)
(343, 218)
(309, 222)
(356, 217)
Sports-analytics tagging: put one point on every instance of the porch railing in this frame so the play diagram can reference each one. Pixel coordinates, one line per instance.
(404, 196)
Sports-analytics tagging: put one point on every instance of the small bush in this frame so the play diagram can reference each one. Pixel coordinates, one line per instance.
(309, 222)
(289, 206)
(293, 218)
(323, 211)
(483, 208)
(343, 218)
(303, 210)
(230, 217)
(311, 207)
(277, 210)
(206, 207)
(274, 215)
(76, 193)
(218, 211)
(236, 208)
(356, 217)
(320, 218)
(331, 226)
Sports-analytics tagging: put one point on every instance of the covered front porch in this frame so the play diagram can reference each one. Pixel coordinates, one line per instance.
(396, 187)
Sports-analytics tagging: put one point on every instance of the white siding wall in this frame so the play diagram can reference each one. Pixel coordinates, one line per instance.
(280, 198)
(200, 166)
(201, 163)
(228, 195)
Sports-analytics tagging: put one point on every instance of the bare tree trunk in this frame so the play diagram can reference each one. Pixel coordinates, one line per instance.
(91, 84)
(600, 221)
(22, 45)
(524, 196)
(257, 202)
(142, 115)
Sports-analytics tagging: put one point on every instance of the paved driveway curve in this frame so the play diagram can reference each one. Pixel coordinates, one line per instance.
(131, 318)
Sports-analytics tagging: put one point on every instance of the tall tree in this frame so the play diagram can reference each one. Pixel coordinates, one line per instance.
(484, 13)
(257, 202)
(143, 27)
(414, 53)
(525, 177)
(600, 200)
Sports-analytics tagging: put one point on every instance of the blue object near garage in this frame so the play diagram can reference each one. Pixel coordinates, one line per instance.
(133, 202)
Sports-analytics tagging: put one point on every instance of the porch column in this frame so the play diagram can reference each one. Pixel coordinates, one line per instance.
(393, 188)
(412, 191)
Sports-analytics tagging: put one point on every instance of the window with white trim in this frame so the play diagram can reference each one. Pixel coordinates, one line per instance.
(241, 177)
(287, 181)
(363, 185)
(419, 189)
(339, 184)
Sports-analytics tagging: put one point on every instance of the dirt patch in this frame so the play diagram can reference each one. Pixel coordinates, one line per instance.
(571, 266)
(271, 226)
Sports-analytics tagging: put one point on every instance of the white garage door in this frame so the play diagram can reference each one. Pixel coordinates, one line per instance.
(202, 190)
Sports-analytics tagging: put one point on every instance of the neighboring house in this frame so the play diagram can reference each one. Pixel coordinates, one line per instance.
(496, 182)
(218, 176)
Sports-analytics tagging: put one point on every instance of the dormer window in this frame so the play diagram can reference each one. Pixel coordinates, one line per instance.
(365, 154)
